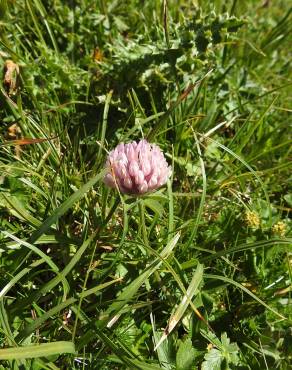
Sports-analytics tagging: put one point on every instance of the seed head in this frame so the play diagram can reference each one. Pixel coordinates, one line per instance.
(279, 228)
(136, 168)
(252, 219)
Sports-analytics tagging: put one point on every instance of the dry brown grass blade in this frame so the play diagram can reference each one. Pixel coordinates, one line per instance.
(26, 141)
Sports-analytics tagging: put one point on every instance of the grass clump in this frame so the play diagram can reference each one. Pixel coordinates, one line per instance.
(194, 275)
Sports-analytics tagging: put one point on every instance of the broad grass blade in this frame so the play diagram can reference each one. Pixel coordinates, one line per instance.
(39, 350)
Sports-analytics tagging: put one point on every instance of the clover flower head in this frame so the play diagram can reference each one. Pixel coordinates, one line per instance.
(136, 168)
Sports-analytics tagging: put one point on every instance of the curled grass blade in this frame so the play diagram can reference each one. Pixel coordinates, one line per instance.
(247, 246)
(17, 277)
(33, 248)
(250, 169)
(60, 275)
(19, 211)
(238, 285)
(44, 239)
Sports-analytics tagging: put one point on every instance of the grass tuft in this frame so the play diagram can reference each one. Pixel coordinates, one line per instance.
(195, 275)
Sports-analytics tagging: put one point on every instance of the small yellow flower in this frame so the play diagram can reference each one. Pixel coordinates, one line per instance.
(279, 228)
(252, 219)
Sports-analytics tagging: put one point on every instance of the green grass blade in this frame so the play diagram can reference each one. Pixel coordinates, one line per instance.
(248, 246)
(30, 328)
(251, 170)
(17, 277)
(170, 206)
(179, 312)
(159, 125)
(39, 6)
(61, 276)
(203, 197)
(39, 350)
(65, 207)
(110, 315)
(19, 211)
(104, 125)
(33, 248)
(238, 285)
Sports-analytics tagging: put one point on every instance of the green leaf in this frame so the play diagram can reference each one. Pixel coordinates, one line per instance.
(185, 356)
(225, 351)
(288, 198)
(230, 349)
(192, 169)
(213, 360)
(154, 205)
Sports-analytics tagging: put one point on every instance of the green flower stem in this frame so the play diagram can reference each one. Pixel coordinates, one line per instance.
(143, 224)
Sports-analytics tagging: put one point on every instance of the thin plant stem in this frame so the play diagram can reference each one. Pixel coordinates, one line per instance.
(145, 237)
(143, 224)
